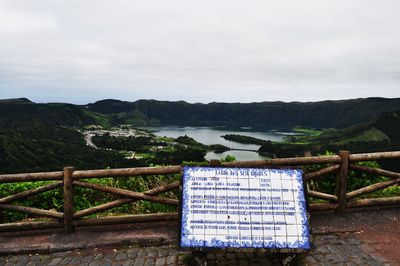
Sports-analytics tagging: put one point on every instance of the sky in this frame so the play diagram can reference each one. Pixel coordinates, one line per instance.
(81, 51)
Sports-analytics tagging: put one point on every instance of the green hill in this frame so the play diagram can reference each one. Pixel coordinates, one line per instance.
(41, 137)
(384, 130)
(48, 148)
(379, 134)
(262, 115)
(16, 113)
(389, 124)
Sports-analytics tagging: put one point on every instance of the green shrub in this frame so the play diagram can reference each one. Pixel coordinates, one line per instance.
(228, 159)
(356, 180)
(47, 200)
(86, 198)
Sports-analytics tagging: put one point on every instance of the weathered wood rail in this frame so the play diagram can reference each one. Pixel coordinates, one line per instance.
(69, 178)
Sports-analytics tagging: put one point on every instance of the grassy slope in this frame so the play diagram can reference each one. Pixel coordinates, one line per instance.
(368, 135)
(380, 134)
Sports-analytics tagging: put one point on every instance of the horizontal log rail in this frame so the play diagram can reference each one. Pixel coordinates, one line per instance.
(176, 169)
(373, 202)
(286, 161)
(70, 178)
(360, 203)
(139, 171)
(110, 220)
(23, 226)
(28, 177)
(375, 156)
(123, 219)
(33, 211)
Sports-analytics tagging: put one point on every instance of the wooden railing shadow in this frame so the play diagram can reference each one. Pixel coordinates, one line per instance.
(68, 179)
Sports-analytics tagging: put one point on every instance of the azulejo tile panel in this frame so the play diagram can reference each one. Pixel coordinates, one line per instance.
(255, 208)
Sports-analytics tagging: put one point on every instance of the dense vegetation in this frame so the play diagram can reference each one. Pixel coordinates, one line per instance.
(356, 180)
(38, 137)
(85, 198)
(45, 137)
(244, 139)
(139, 144)
(263, 115)
(44, 148)
(22, 112)
(155, 150)
(379, 134)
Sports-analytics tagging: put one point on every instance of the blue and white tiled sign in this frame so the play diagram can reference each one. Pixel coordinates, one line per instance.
(243, 207)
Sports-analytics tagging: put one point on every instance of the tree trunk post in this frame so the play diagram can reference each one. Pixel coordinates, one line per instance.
(68, 200)
(341, 181)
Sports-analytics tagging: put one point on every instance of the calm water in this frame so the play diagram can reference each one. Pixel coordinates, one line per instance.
(212, 135)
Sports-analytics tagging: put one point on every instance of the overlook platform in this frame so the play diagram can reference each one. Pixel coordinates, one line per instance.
(357, 237)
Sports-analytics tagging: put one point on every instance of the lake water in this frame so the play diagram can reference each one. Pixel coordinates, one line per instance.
(212, 135)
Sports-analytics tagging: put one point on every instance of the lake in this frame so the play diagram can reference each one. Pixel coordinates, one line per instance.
(212, 135)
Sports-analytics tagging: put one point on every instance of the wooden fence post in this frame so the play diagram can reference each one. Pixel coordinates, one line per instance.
(214, 163)
(341, 181)
(68, 200)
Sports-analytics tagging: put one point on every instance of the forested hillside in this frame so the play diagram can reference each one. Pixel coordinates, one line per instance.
(39, 137)
(47, 148)
(263, 115)
(379, 134)
(20, 112)
(42, 137)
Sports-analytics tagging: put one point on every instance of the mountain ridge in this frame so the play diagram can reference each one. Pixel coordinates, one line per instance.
(42, 137)
(261, 115)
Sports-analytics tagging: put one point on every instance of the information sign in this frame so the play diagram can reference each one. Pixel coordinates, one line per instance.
(243, 207)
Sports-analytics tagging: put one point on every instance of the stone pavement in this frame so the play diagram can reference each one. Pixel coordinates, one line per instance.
(329, 249)
(357, 238)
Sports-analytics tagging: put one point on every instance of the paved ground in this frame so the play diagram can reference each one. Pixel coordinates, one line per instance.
(329, 250)
(356, 238)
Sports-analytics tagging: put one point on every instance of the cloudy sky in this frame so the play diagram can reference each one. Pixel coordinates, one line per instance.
(199, 51)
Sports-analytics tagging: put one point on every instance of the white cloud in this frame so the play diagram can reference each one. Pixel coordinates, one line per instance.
(204, 51)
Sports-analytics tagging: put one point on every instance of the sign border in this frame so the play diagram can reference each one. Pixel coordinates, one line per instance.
(268, 250)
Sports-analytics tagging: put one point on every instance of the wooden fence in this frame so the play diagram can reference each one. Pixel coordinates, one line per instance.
(70, 178)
